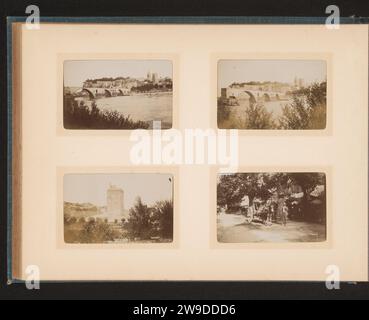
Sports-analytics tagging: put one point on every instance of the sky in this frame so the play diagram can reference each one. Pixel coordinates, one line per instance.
(230, 71)
(151, 187)
(78, 71)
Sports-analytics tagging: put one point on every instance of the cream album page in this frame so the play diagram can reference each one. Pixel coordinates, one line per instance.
(192, 152)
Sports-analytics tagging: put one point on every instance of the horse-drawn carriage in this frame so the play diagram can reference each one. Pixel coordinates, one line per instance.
(260, 211)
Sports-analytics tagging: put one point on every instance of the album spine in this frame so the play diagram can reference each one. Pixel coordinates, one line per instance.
(14, 66)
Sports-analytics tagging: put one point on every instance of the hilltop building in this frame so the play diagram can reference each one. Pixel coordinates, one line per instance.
(123, 86)
(299, 82)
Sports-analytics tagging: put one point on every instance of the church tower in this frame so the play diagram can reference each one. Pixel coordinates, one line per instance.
(149, 75)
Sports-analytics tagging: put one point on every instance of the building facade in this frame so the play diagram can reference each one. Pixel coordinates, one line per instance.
(115, 203)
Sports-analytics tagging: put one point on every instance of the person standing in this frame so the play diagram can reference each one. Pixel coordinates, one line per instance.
(279, 212)
(284, 214)
(251, 212)
(269, 208)
(244, 205)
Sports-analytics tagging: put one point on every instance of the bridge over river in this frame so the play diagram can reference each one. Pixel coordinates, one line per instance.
(254, 95)
(105, 92)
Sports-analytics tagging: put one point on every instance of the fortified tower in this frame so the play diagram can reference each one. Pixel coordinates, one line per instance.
(115, 203)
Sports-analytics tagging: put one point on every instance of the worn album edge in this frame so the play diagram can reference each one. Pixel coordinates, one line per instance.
(15, 153)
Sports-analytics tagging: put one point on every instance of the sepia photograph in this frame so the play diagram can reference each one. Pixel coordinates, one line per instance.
(272, 94)
(118, 208)
(117, 94)
(274, 207)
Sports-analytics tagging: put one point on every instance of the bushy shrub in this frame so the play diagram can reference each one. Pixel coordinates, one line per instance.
(139, 222)
(162, 217)
(257, 117)
(80, 116)
(146, 222)
(307, 110)
(223, 111)
(88, 231)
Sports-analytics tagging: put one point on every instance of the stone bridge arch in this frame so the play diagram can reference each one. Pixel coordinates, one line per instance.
(90, 93)
(108, 93)
(266, 97)
(123, 92)
(252, 97)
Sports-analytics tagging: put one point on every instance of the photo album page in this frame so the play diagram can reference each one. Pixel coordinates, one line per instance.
(190, 152)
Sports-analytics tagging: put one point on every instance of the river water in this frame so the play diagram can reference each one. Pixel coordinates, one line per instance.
(144, 107)
(276, 107)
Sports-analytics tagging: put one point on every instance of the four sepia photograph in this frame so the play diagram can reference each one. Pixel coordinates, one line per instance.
(251, 207)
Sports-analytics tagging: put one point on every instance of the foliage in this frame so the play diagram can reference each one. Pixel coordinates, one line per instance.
(232, 188)
(80, 116)
(162, 218)
(91, 231)
(223, 111)
(97, 231)
(307, 110)
(146, 222)
(139, 224)
(257, 117)
(147, 87)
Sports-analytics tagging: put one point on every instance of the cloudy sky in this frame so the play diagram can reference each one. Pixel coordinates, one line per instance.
(230, 71)
(151, 187)
(77, 71)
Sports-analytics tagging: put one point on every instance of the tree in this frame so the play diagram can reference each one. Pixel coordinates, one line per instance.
(79, 116)
(257, 117)
(307, 110)
(233, 187)
(139, 222)
(96, 231)
(223, 111)
(308, 180)
(162, 217)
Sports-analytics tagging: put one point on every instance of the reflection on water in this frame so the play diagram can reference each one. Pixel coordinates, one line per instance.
(276, 107)
(144, 107)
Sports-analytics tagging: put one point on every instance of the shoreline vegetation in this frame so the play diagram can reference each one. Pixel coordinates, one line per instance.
(145, 224)
(80, 112)
(78, 115)
(306, 111)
